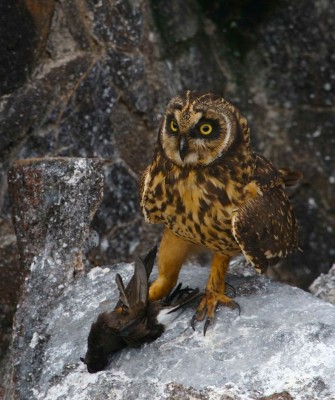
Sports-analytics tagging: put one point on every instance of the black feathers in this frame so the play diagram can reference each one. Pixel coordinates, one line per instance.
(134, 320)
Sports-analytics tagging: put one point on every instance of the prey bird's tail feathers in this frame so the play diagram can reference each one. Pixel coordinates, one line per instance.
(172, 305)
(179, 297)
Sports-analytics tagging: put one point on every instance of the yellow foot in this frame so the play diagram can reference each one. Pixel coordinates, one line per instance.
(207, 306)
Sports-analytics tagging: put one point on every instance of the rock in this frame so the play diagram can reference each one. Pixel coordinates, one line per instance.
(17, 46)
(281, 347)
(119, 226)
(92, 79)
(54, 201)
(324, 286)
(10, 282)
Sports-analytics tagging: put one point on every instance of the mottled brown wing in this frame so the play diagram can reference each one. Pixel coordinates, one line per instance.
(290, 177)
(267, 175)
(265, 228)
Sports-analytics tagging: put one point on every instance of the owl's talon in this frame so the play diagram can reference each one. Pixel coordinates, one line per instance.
(193, 320)
(200, 313)
(207, 307)
(206, 325)
(231, 289)
(233, 305)
(236, 306)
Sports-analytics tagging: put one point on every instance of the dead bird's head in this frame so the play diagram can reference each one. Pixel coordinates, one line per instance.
(102, 341)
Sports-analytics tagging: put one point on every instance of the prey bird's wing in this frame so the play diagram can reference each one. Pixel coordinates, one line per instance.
(184, 297)
(137, 288)
(143, 268)
(149, 260)
(139, 294)
(122, 290)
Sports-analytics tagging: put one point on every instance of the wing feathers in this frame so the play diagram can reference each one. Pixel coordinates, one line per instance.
(122, 290)
(265, 228)
(137, 288)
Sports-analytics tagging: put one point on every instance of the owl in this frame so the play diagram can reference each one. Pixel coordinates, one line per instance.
(210, 190)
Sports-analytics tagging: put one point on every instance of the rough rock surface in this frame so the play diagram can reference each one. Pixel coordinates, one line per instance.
(324, 286)
(283, 343)
(54, 201)
(92, 78)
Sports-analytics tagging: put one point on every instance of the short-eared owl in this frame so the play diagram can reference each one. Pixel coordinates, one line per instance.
(210, 189)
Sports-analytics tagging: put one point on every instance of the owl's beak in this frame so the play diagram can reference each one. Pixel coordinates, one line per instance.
(183, 147)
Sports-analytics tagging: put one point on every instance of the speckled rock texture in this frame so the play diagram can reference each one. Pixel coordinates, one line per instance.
(54, 201)
(90, 78)
(280, 347)
(324, 286)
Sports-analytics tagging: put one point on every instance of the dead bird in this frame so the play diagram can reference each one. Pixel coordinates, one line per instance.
(134, 320)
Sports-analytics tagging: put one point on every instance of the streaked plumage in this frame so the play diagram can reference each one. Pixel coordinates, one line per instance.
(209, 188)
(134, 320)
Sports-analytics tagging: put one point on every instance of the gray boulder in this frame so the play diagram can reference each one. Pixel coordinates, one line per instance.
(283, 342)
(324, 286)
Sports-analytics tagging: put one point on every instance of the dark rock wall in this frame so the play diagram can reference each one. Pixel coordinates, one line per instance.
(92, 78)
(283, 78)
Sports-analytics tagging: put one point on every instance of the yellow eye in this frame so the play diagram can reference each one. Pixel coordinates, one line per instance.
(173, 126)
(206, 129)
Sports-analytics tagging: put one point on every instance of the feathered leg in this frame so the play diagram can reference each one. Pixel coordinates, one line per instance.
(172, 253)
(214, 294)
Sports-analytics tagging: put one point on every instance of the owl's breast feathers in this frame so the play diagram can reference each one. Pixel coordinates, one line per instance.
(228, 207)
(195, 203)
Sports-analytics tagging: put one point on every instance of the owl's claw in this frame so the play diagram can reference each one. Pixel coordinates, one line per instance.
(194, 318)
(230, 290)
(234, 306)
(200, 314)
(207, 306)
(206, 325)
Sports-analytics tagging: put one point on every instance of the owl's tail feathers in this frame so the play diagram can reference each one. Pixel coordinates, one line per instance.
(290, 178)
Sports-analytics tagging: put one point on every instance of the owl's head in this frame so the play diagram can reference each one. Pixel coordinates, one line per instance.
(198, 129)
